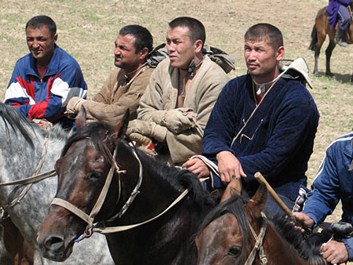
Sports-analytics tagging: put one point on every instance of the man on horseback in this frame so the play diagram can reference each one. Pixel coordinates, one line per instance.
(42, 80)
(263, 121)
(175, 107)
(337, 12)
(332, 184)
(126, 84)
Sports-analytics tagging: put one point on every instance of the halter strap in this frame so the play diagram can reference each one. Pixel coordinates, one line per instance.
(28, 181)
(258, 243)
(90, 218)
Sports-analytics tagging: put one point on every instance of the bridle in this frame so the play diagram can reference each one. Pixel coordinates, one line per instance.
(258, 248)
(89, 218)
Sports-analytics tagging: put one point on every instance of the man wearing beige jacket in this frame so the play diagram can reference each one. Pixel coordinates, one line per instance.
(126, 84)
(176, 105)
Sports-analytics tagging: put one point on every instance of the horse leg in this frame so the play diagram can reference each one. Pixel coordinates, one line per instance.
(19, 250)
(328, 52)
(316, 59)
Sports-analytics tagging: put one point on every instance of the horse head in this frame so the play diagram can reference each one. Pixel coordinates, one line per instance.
(86, 164)
(238, 231)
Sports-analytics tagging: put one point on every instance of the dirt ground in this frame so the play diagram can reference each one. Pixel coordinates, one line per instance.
(87, 30)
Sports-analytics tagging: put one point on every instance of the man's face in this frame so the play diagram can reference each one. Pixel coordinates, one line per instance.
(180, 48)
(262, 60)
(125, 53)
(41, 44)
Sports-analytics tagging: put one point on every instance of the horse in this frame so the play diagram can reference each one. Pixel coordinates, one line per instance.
(238, 231)
(148, 210)
(27, 150)
(320, 29)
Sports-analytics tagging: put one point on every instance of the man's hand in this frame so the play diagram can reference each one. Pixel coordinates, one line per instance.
(334, 252)
(179, 120)
(73, 106)
(304, 219)
(147, 128)
(229, 167)
(198, 167)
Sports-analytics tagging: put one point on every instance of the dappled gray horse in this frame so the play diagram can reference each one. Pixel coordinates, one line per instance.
(24, 150)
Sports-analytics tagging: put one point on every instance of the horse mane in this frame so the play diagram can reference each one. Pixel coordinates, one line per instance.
(307, 249)
(15, 121)
(180, 179)
(92, 130)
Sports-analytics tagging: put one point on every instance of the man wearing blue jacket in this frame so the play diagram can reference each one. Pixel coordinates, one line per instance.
(333, 182)
(263, 121)
(41, 80)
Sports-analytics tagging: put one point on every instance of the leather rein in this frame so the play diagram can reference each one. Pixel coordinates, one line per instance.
(36, 177)
(89, 218)
(258, 248)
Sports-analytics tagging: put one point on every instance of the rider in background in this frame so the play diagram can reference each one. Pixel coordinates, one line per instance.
(337, 12)
(42, 80)
(125, 84)
(334, 182)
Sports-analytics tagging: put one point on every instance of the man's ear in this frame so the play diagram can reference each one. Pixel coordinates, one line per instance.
(144, 53)
(198, 45)
(280, 53)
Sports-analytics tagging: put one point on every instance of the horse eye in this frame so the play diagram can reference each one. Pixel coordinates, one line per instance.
(234, 251)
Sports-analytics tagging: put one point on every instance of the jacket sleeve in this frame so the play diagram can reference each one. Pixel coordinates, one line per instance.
(220, 127)
(324, 196)
(102, 108)
(52, 108)
(188, 143)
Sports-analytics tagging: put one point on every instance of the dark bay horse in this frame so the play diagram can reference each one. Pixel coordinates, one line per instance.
(320, 29)
(25, 151)
(238, 232)
(148, 210)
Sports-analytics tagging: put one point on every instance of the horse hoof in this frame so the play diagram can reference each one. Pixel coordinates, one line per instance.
(329, 74)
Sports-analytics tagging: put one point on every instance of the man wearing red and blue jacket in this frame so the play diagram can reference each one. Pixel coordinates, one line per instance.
(334, 182)
(41, 81)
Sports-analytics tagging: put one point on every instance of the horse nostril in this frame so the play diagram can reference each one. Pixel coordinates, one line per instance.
(54, 243)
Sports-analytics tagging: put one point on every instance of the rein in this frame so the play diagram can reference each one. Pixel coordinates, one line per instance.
(36, 177)
(258, 248)
(89, 218)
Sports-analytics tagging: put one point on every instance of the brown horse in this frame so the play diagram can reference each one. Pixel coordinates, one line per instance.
(148, 210)
(238, 232)
(320, 29)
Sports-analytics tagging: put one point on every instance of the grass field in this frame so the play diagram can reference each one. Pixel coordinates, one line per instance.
(87, 30)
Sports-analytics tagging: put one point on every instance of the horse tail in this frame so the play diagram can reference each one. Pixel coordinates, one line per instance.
(313, 38)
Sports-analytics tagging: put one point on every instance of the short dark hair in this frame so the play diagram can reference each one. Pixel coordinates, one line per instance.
(196, 28)
(38, 21)
(264, 30)
(143, 38)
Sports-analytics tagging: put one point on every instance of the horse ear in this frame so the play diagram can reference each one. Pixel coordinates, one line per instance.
(81, 118)
(233, 188)
(258, 202)
(120, 128)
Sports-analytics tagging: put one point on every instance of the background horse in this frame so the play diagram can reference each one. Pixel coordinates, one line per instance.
(230, 232)
(23, 147)
(142, 194)
(320, 29)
